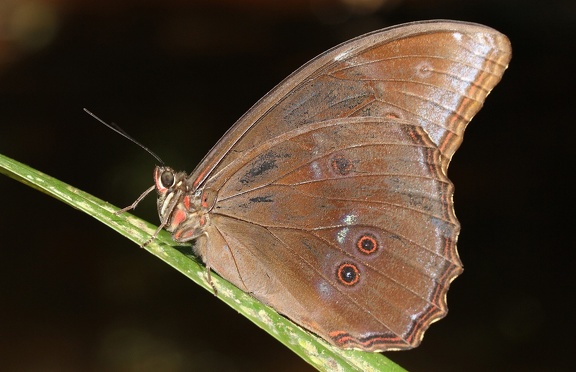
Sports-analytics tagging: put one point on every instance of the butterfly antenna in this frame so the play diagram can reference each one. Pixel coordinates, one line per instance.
(125, 135)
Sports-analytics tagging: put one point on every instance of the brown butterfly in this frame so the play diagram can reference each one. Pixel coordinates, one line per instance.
(329, 200)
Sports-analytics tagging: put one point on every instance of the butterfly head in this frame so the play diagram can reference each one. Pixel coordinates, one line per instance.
(179, 206)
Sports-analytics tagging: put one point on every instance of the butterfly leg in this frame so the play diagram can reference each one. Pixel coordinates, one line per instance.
(133, 205)
(209, 279)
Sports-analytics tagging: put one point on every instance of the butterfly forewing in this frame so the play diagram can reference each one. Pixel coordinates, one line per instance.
(470, 60)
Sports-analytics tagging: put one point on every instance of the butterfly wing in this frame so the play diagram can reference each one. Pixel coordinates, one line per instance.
(332, 203)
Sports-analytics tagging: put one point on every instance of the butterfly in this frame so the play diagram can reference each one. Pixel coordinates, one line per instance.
(329, 199)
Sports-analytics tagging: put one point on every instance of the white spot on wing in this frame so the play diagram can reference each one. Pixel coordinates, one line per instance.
(349, 219)
(324, 290)
(341, 236)
(316, 170)
(424, 69)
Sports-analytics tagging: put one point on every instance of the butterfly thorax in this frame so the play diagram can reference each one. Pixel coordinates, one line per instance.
(182, 209)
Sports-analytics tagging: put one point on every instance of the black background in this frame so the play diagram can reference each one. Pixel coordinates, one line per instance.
(74, 295)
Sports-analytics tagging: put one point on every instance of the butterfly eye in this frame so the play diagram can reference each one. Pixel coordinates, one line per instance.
(167, 179)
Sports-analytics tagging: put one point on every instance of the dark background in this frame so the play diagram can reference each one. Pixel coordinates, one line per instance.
(74, 295)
